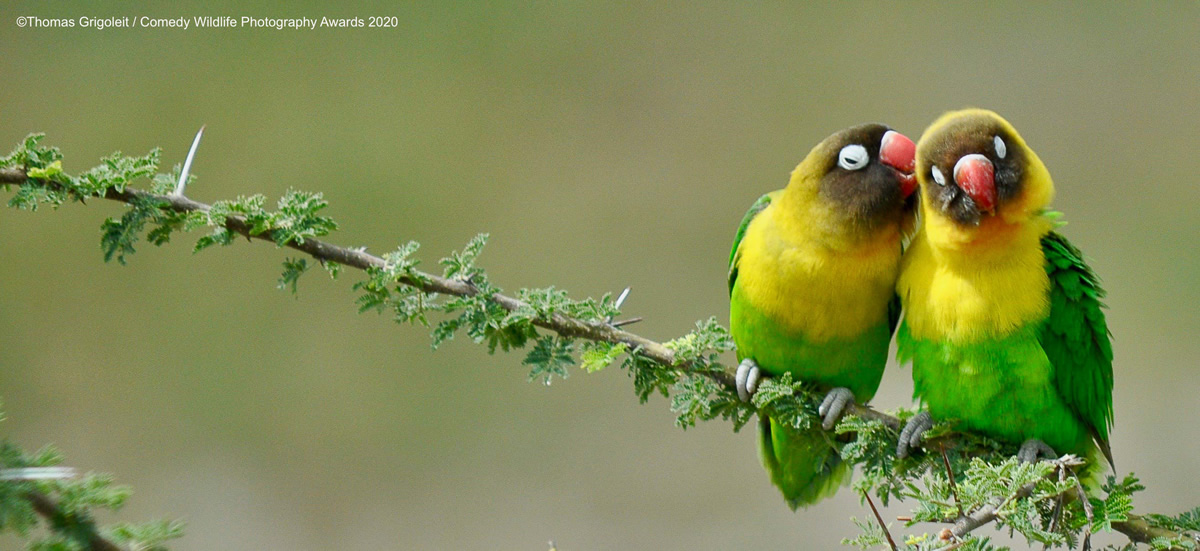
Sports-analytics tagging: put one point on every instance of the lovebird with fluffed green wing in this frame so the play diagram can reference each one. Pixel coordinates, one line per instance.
(1003, 321)
(811, 285)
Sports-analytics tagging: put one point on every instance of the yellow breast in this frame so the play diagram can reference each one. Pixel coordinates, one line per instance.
(967, 290)
(811, 289)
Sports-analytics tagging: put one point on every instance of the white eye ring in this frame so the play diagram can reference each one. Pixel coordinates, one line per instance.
(853, 157)
(1001, 149)
(937, 175)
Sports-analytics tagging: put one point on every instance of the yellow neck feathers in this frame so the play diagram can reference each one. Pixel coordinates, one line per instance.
(974, 289)
(800, 268)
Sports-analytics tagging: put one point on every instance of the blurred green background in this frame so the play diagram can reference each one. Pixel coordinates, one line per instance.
(602, 145)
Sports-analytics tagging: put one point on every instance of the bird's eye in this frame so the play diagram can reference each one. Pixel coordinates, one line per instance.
(937, 175)
(1001, 149)
(853, 157)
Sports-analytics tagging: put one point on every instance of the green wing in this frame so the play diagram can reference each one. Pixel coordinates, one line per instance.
(1076, 338)
(758, 206)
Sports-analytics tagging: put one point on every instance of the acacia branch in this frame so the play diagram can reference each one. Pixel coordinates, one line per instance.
(988, 513)
(563, 325)
(1136, 528)
(84, 529)
(1139, 530)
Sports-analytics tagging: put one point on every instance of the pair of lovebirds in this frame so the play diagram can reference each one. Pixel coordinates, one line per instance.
(1002, 319)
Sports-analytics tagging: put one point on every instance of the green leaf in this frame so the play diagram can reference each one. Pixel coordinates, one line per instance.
(47, 173)
(115, 172)
(297, 218)
(461, 265)
(786, 401)
(150, 536)
(292, 270)
(703, 344)
(332, 267)
(1115, 508)
(164, 183)
(692, 400)
(648, 376)
(118, 236)
(549, 358)
(1188, 521)
(219, 236)
(597, 356)
(30, 154)
(30, 196)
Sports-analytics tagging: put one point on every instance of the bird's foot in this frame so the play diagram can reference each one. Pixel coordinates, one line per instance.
(747, 379)
(1034, 448)
(834, 406)
(910, 437)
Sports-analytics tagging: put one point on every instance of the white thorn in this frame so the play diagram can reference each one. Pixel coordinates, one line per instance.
(187, 164)
(621, 298)
(37, 473)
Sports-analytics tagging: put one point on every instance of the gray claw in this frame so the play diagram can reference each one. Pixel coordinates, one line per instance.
(752, 381)
(910, 437)
(1032, 449)
(834, 406)
(747, 379)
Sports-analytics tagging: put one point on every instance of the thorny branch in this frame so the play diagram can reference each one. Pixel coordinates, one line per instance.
(1139, 530)
(1136, 527)
(357, 258)
(49, 510)
(988, 513)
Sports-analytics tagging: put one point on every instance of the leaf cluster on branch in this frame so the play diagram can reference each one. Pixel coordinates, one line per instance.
(965, 481)
(58, 513)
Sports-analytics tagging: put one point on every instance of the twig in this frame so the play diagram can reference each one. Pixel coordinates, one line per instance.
(1136, 528)
(879, 519)
(1056, 515)
(49, 510)
(985, 515)
(950, 477)
(990, 512)
(1139, 530)
(1087, 511)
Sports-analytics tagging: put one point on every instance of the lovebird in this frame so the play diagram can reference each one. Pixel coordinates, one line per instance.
(811, 292)
(1003, 319)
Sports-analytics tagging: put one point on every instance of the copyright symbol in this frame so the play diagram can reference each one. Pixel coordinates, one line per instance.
(21, 21)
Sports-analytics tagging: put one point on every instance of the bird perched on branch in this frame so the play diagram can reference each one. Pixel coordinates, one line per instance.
(1003, 321)
(811, 286)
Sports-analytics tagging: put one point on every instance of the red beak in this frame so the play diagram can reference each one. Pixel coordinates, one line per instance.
(975, 175)
(900, 153)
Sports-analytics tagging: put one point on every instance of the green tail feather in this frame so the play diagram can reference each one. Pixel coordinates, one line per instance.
(1093, 475)
(804, 465)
